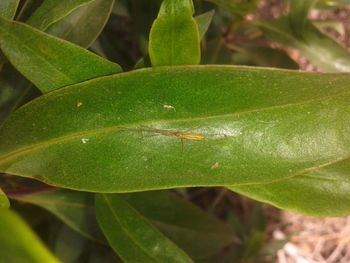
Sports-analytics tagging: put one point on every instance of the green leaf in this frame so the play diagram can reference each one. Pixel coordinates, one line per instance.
(203, 22)
(73, 208)
(4, 202)
(263, 57)
(174, 36)
(198, 233)
(51, 11)
(19, 243)
(48, 62)
(131, 235)
(299, 10)
(322, 51)
(84, 24)
(8, 8)
(189, 126)
(238, 7)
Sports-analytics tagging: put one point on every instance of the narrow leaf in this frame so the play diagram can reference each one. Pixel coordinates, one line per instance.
(132, 237)
(8, 8)
(74, 208)
(186, 126)
(52, 10)
(321, 50)
(48, 62)
(299, 9)
(198, 233)
(84, 24)
(19, 243)
(4, 202)
(174, 37)
(203, 22)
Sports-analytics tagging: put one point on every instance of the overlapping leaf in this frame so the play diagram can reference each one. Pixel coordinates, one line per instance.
(8, 8)
(131, 235)
(50, 11)
(321, 50)
(73, 208)
(49, 62)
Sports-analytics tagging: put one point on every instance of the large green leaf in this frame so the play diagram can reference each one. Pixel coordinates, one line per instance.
(321, 50)
(19, 243)
(8, 8)
(84, 24)
(198, 233)
(73, 208)
(52, 10)
(49, 62)
(131, 235)
(4, 202)
(189, 126)
(174, 37)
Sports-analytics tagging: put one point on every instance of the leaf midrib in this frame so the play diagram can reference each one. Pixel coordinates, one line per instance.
(134, 126)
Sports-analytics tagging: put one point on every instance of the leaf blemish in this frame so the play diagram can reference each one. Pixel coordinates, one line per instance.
(84, 140)
(215, 166)
(79, 103)
(169, 107)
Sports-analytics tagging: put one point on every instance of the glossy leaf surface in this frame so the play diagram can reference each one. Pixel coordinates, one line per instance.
(19, 243)
(131, 235)
(50, 11)
(321, 50)
(8, 8)
(188, 126)
(84, 24)
(49, 62)
(198, 233)
(4, 202)
(74, 208)
(174, 37)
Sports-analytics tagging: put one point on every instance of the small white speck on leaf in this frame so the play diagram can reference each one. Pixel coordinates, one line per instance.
(169, 107)
(215, 166)
(79, 104)
(84, 140)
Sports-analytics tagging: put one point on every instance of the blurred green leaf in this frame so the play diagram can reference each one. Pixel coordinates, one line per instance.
(174, 37)
(216, 52)
(69, 245)
(84, 24)
(240, 7)
(321, 50)
(8, 8)
(299, 10)
(198, 233)
(50, 11)
(19, 243)
(73, 208)
(131, 235)
(4, 202)
(48, 62)
(263, 57)
(203, 22)
(149, 129)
